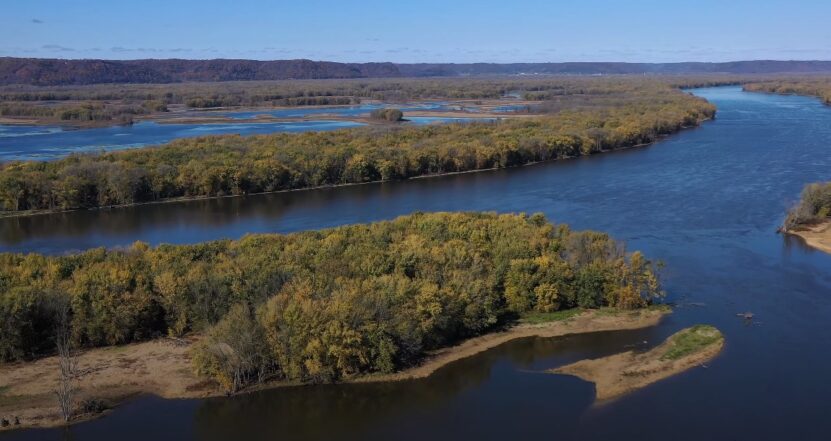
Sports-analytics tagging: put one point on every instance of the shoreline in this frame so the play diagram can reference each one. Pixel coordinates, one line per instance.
(28, 213)
(162, 367)
(817, 236)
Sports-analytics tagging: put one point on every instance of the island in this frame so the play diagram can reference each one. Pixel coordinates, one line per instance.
(370, 302)
(619, 374)
(569, 124)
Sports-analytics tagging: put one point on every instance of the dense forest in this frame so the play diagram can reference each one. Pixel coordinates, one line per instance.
(818, 87)
(320, 305)
(814, 206)
(633, 112)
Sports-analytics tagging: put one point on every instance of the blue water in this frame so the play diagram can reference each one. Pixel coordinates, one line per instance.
(43, 143)
(441, 119)
(346, 111)
(512, 108)
(706, 202)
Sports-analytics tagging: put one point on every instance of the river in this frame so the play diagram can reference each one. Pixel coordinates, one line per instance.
(705, 201)
(41, 143)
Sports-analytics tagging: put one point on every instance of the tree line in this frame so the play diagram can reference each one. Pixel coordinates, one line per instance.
(818, 87)
(320, 305)
(814, 205)
(233, 165)
(82, 112)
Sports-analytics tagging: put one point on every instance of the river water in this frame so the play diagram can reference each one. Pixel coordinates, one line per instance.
(705, 201)
(40, 143)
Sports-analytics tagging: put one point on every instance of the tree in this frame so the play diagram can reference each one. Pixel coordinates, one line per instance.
(392, 115)
(67, 362)
(234, 352)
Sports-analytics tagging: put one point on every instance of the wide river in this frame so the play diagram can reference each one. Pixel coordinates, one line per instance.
(706, 201)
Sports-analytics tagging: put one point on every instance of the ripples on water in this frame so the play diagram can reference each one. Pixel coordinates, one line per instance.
(706, 202)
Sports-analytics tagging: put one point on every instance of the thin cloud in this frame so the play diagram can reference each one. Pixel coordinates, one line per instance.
(141, 49)
(57, 48)
(37, 21)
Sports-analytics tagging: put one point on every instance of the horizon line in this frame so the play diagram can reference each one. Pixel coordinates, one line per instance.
(421, 62)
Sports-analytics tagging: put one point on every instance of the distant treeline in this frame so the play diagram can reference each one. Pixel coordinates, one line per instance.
(814, 205)
(82, 112)
(50, 72)
(225, 165)
(320, 305)
(818, 87)
(306, 92)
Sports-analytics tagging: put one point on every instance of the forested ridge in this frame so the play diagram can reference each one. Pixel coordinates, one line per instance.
(621, 114)
(320, 305)
(45, 72)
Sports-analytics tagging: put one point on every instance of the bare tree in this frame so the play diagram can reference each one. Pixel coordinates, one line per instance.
(67, 361)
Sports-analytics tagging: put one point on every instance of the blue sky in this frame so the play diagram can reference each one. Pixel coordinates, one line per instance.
(419, 31)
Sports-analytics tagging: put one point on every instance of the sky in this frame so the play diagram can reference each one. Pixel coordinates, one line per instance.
(419, 31)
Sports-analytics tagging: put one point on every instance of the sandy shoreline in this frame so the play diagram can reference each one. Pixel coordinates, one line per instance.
(163, 367)
(619, 374)
(817, 236)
